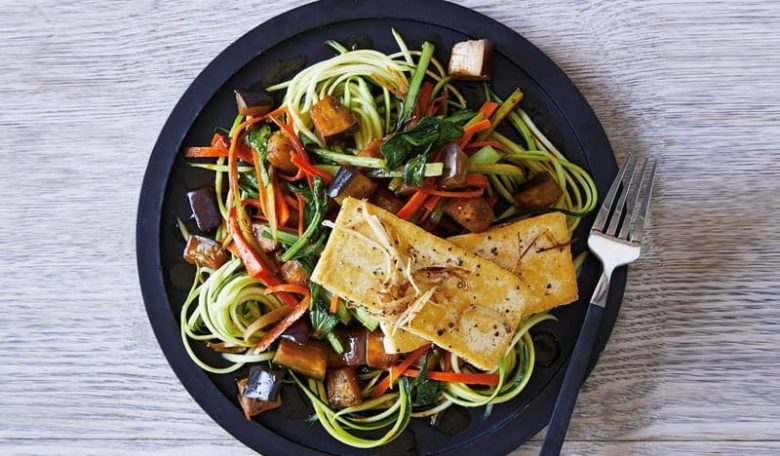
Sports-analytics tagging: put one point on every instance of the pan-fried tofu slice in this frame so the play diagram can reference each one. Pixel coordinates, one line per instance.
(412, 279)
(536, 249)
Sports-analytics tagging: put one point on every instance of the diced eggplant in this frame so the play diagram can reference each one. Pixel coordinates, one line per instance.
(293, 272)
(471, 60)
(387, 200)
(332, 120)
(203, 203)
(205, 252)
(224, 347)
(309, 359)
(299, 331)
(433, 360)
(264, 383)
(266, 245)
(252, 407)
(343, 388)
(376, 356)
(474, 214)
(456, 167)
(253, 101)
(539, 192)
(355, 348)
(349, 182)
(280, 150)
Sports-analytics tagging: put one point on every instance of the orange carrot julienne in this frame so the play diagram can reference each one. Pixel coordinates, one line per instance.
(281, 205)
(481, 144)
(457, 377)
(412, 206)
(430, 203)
(310, 169)
(395, 372)
(271, 336)
(287, 287)
(488, 108)
(471, 130)
(334, 304)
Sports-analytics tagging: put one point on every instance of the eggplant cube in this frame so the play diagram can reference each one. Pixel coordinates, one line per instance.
(470, 60)
(264, 383)
(350, 183)
(308, 359)
(252, 407)
(332, 120)
(343, 388)
(203, 203)
(203, 251)
(253, 101)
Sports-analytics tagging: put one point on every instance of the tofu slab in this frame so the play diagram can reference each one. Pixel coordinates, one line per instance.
(536, 249)
(475, 310)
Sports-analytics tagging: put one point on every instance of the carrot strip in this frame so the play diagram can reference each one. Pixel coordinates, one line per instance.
(301, 208)
(477, 180)
(488, 108)
(256, 265)
(271, 336)
(395, 372)
(287, 287)
(446, 194)
(447, 361)
(430, 203)
(292, 202)
(334, 304)
(412, 206)
(471, 130)
(281, 205)
(423, 99)
(310, 169)
(457, 377)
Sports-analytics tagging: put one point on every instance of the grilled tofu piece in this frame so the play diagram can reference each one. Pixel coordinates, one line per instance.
(470, 60)
(535, 249)
(205, 252)
(343, 388)
(466, 304)
(332, 120)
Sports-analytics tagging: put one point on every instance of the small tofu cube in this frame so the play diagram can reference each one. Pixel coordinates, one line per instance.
(470, 60)
(205, 252)
(343, 388)
(332, 120)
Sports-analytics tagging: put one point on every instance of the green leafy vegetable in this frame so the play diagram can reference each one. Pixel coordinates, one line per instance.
(414, 171)
(424, 390)
(429, 134)
(365, 319)
(322, 321)
(258, 139)
(316, 206)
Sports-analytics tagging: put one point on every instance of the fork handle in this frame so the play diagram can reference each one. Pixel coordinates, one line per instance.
(575, 374)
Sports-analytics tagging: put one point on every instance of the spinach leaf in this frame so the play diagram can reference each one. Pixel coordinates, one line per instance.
(322, 321)
(425, 391)
(258, 139)
(429, 134)
(414, 171)
(316, 205)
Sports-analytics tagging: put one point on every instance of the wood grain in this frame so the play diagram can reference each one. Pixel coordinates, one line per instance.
(692, 367)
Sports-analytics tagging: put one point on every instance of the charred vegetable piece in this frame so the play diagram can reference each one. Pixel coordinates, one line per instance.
(203, 203)
(349, 182)
(332, 120)
(386, 199)
(376, 356)
(474, 214)
(205, 252)
(539, 192)
(299, 331)
(293, 272)
(253, 101)
(264, 383)
(372, 149)
(309, 359)
(343, 388)
(280, 150)
(266, 245)
(471, 60)
(252, 407)
(224, 347)
(355, 347)
(456, 167)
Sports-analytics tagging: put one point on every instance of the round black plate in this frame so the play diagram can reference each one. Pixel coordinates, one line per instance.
(551, 99)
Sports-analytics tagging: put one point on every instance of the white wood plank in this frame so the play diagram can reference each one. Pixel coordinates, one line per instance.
(691, 368)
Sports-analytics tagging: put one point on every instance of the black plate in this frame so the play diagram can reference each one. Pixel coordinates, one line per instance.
(551, 98)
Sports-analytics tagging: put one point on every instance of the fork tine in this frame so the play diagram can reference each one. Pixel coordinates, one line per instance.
(609, 198)
(631, 202)
(629, 188)
(638, 220)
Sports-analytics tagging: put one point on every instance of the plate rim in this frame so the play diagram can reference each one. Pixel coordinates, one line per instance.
(578, 114)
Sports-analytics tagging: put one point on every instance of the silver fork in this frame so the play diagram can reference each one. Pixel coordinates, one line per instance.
(615, 239)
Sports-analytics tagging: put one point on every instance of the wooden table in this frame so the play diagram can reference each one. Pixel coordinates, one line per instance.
(692, 366)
